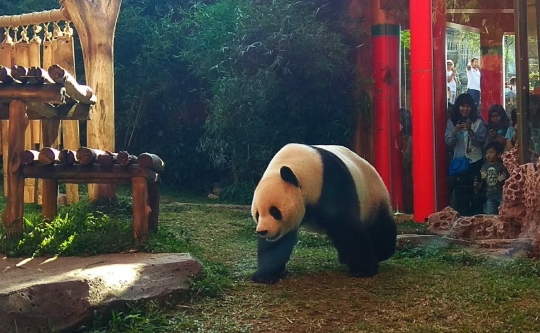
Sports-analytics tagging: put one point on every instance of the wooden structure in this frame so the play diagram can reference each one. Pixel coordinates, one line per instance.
(88, 165)
(95, 22)
(34, 93)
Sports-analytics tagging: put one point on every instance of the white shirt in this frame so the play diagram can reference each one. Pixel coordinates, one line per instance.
(452, 84)
(473, 77)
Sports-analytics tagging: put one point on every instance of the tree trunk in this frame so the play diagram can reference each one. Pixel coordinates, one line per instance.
(95, 22)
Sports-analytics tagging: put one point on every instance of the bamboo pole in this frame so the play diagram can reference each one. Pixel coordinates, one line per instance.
(95, 22)
(33, 18)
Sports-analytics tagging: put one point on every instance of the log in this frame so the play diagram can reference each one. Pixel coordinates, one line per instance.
(124, 158)
(141, 209)
(5, 75)
(46, 93)
(97, 47)
(12, 217)
(67, 157)
(19, 73)
(38, 75)
(49, 155)
(88, 155)
(81, 93)
(30, 156)
(152, 161)
(107, 160)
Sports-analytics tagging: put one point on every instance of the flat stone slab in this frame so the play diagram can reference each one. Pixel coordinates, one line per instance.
(40, 294)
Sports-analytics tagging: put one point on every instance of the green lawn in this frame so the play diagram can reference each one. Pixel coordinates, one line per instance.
(419, 290)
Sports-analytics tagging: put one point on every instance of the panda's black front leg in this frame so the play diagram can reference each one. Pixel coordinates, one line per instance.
(355, 248)
(272, 258)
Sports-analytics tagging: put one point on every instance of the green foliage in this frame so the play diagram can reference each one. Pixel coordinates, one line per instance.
(277, 74)
(86, 228)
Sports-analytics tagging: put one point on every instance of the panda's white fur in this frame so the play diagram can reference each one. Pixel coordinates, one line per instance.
(281, 205)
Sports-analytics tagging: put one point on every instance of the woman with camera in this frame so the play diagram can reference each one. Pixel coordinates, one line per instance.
(466, 135)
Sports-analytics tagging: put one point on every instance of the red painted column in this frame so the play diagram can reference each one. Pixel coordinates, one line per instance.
(385, 39)
(491, 72)
(423, 122)
(439, 67)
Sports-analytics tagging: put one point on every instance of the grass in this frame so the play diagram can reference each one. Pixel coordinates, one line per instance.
(426, 289)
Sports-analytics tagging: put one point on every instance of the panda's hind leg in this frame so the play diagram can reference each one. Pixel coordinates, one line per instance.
(355, 249)
(272, 257)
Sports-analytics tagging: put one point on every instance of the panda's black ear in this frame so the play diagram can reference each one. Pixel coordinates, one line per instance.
(288, 176)
(255, 177)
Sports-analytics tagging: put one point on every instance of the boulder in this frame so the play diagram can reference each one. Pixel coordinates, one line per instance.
(42, 294)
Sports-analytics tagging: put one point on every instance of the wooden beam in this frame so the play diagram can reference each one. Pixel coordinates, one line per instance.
(97, 42)
(93, 173)
(46, 93)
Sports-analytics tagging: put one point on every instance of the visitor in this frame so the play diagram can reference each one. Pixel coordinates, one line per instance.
(493, 174)
(473, 80)
(451, 82)
(497, 125)
(466, 135)
(511, 133)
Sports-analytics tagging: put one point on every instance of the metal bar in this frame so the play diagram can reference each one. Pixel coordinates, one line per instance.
(52, 15)
(522, 79)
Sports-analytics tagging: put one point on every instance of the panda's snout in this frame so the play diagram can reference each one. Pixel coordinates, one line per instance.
(262, 232)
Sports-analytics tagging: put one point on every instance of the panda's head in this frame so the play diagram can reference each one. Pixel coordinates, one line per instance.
(278, 204)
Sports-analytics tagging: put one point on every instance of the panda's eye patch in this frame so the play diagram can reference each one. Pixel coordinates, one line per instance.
(257, 216)
(275, 213)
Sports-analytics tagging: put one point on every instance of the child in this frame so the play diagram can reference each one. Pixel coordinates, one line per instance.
(493, 174)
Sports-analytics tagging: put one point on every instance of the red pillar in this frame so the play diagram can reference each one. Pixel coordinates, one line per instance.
(385, 38)
(423, 122)
(491, 72)
(439, 67)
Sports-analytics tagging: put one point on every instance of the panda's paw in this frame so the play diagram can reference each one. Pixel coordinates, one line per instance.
(268, 277)
(365, 272)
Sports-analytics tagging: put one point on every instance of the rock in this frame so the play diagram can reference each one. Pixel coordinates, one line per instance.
(40, 294)
(415, 240)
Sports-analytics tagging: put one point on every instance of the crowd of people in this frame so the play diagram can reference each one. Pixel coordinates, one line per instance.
(476, 188)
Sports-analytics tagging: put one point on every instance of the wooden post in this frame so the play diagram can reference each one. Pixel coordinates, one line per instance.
(12, 217)
(49, 192)
(95, 22)
(153, 197)
(141, 209)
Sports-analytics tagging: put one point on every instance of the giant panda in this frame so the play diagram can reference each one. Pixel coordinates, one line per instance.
(328, 189)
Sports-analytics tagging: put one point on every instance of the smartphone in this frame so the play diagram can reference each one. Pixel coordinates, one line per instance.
(500, 132)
